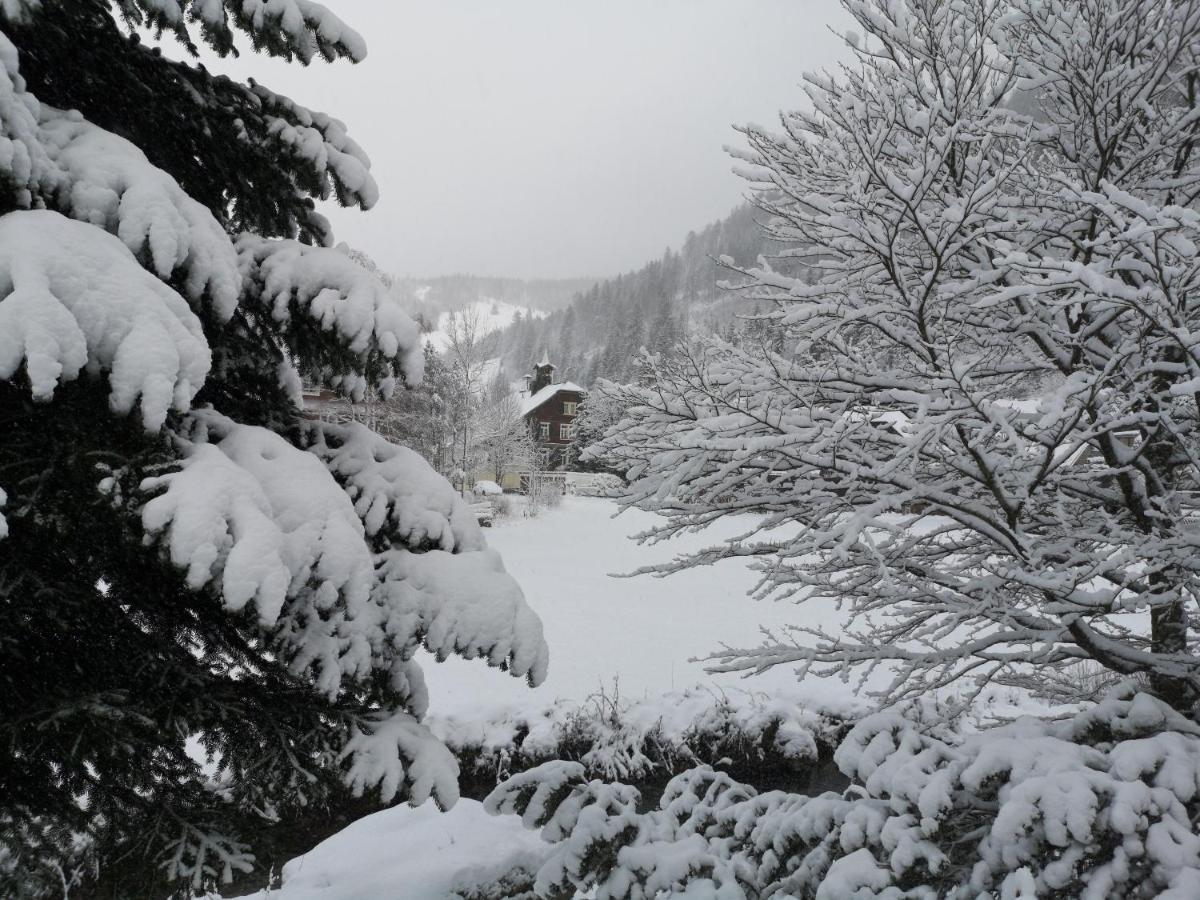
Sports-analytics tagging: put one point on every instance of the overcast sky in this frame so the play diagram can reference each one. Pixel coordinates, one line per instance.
(551, 138)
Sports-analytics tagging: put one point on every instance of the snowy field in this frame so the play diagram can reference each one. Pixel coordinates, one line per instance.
(642, 630)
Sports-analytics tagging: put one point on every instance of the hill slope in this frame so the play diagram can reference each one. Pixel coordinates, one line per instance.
(600, 332)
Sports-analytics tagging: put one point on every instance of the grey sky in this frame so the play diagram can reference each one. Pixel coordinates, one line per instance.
(548, 138)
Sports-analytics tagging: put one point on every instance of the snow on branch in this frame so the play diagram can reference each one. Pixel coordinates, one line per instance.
(73, 297)
(319, 143)
(464, 604)
(353, 332)
(390, 752)
(59, 160)
(396, 493)
(299, 29)
(439, 585)
(24, 159)
(266, 522)
(260, 521)
(107, 181)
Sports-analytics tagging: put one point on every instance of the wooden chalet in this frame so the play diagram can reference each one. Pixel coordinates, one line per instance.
(550, 409)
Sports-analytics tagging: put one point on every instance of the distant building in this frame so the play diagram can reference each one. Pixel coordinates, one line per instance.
(550, 409)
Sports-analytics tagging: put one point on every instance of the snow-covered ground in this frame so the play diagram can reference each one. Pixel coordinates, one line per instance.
(643, 630)
(404, 853)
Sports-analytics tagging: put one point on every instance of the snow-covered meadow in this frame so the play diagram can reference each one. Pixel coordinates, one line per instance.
(645, 631)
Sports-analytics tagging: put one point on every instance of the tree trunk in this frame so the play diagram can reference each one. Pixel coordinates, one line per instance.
(1168, 635)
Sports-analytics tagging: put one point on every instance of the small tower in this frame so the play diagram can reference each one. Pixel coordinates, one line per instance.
(543, 374)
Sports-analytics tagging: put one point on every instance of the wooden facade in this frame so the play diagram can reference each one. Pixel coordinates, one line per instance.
(553, 422)
(550, 411)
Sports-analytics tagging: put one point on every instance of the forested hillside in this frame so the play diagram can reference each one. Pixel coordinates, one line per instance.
(599, 334)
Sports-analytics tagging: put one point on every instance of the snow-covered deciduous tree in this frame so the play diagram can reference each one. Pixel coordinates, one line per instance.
(189, 569)
(982, 437)
(466, 362)
(502, 438)
(603, 408)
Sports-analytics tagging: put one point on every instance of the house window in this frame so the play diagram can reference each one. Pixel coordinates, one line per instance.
(566, 431)
(570, 407)
(544, 431)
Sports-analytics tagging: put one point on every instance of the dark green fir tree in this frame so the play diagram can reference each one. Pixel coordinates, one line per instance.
(209, 604)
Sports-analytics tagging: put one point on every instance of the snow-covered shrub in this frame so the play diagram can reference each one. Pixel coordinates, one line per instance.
(595, 484)
(502, 506)
(545, 492)
(1103, 804)
(648, 739)
(209, 606)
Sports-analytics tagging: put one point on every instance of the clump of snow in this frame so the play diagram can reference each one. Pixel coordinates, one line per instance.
(73, 296)
(22, 156)
(300, 284)
(60, 160)
(396, 493)
(107, 181)
(266, 520)
(322, 142)
(395, 750)
(464, 604)
(415, 853)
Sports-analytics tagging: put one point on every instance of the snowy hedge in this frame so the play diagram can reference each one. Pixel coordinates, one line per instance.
(1105, 803)
(651, 738)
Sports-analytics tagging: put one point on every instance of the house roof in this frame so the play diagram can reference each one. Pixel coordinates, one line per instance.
(531, 403)
(545, 360)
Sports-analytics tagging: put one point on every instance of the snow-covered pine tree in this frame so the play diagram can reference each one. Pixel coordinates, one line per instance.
(185, 562)
(982, 440)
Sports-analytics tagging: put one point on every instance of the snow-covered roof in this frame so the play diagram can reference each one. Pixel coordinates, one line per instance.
(545, 360)
(529, 404)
